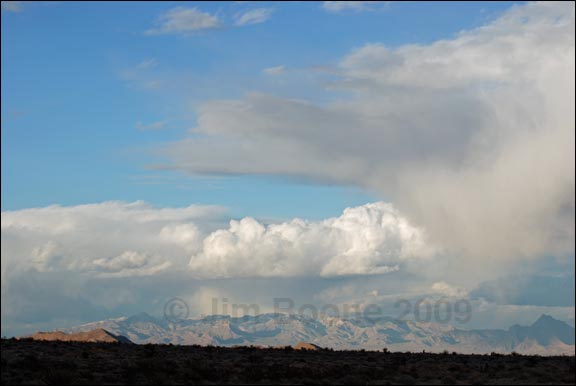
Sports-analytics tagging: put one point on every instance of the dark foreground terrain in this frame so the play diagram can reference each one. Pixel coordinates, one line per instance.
(62, 363)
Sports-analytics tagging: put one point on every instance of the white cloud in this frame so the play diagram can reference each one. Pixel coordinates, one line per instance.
(134, 239)
(339, 6)
(56, 219)
(65, 265)
(46, 256)
(182, 20)
(276, 70)
(443, 288)
(131, 255)
(111, 239)
(471, 137)
(157, 125)
(371, 239)
(73, 263)
(254, 16)
(131, 263)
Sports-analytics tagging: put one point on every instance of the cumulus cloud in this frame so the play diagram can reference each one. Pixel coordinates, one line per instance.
(115, 239)
(371, 239)
(339, 6)
(131, 263)
(443, 288)
(111, 239)
(65, 265)
(45, 257)
(253, 16)
(182, 20)
(471, 137)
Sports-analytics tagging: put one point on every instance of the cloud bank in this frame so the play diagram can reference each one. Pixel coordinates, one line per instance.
(66, 265)
(472, 137)
(63, 266)
(115, 239)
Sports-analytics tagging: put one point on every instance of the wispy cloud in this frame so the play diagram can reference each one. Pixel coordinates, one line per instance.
(142, 76)
(11, 6)
(158, 125)
(182, 20)
(147, 64)
(339, 6)
(254, 16)
(276, 70)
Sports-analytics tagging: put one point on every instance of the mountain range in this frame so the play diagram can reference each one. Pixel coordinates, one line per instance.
(546, 336)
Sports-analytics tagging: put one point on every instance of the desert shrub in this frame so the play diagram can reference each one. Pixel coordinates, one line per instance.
(405, 379)
(59, 377)
(29, 362)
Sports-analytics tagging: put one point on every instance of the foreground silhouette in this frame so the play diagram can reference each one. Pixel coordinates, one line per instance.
(27, 361)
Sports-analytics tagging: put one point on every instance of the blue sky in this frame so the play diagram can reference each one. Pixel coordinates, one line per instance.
(69, 112)
(347, 152)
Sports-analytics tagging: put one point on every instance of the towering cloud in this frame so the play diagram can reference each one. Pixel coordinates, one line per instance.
(370, 239)
(471, 137)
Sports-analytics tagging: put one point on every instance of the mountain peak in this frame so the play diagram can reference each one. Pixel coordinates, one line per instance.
(546, 320)
(142, 317)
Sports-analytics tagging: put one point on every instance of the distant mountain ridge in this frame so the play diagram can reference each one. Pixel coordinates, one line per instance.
(547, 336)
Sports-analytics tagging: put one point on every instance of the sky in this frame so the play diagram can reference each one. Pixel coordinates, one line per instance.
(342, 152)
